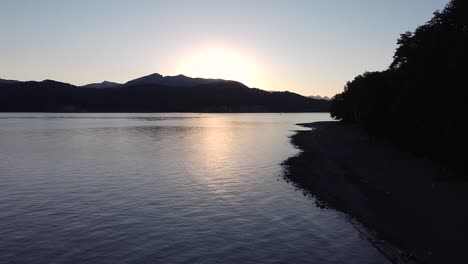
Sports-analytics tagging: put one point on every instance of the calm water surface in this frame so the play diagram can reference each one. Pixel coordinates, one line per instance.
(161, 188)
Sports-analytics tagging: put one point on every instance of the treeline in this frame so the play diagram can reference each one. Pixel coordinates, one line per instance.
(222, 96)
(420, 101)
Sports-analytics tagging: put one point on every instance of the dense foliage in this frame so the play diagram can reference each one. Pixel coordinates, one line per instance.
(420, 101)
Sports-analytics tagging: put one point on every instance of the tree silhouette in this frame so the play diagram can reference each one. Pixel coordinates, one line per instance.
(419, 102)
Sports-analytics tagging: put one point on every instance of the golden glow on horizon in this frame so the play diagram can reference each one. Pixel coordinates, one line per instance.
(220, 63)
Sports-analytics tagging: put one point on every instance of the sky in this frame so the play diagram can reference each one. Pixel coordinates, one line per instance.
(311, 47)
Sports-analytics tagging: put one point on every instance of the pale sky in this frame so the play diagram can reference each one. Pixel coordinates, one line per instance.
(312, 47)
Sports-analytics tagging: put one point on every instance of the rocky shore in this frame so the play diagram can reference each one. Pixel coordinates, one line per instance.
(406, 200)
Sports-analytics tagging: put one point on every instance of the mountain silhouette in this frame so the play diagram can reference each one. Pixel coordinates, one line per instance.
(179, 80)
(152, 93)
(3, 81)
(104, 84)
(320, 97)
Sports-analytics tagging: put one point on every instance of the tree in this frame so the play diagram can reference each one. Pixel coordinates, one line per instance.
(420, 101)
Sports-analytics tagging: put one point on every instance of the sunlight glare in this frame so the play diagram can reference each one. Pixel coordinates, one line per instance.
(220, 63)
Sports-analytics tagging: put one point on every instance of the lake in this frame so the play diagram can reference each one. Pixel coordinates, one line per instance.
(162, 188)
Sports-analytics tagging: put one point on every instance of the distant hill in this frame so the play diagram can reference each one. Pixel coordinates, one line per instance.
(152, 93)
(4, 82)
(104, 84)
(179, 80)
(320, 97)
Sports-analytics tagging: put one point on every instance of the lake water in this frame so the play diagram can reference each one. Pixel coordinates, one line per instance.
(161, 188)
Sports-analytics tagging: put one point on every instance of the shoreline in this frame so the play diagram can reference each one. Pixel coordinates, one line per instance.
(406, 200)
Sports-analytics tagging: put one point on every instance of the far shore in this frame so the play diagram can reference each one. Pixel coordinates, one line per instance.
(407, 201)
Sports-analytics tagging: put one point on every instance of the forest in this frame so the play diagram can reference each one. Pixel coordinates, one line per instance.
(419, 102)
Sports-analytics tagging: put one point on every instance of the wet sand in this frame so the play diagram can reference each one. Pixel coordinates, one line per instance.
(407, 201)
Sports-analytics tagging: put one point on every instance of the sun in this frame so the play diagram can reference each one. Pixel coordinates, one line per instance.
(220, 63)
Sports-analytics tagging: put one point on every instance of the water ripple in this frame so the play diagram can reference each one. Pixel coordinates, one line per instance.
(161, 188)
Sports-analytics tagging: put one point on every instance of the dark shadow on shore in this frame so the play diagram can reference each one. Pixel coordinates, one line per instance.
(405, 199)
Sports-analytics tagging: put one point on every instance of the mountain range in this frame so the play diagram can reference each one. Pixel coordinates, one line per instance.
(156, 79)
(151, 93)
(320, 97)
(3, 81)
